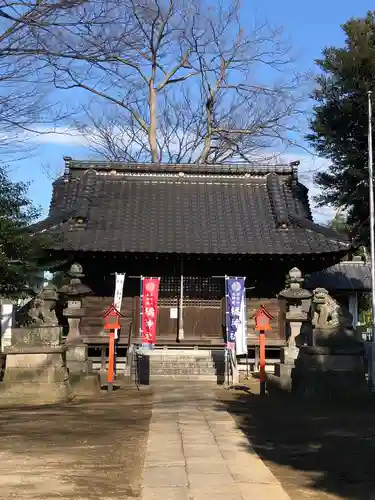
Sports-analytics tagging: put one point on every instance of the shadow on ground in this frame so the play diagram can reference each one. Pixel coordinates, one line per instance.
(316, 450)
(82, 450)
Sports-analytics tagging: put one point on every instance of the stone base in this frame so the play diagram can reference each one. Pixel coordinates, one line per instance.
(322, 372)
(337, 338)
(76, 358)
(85, 385)
(34, 336)
(35, 376)
(282, 378)
(288, 355)
(329, 372)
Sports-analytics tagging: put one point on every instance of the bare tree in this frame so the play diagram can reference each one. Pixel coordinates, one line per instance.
(24, 90)
(174, 80)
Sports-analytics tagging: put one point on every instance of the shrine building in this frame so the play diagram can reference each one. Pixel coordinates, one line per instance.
(190, 225)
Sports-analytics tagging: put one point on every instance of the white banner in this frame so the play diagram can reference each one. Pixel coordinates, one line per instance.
(119, 287)
(241, 334)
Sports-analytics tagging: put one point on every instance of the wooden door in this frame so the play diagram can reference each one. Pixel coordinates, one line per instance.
(202, 309)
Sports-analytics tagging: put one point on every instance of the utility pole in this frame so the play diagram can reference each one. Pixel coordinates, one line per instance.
(372, 239)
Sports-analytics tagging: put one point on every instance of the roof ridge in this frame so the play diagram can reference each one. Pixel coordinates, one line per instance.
(277, 199)
(85, 193)
(313, 226)
(233, 168)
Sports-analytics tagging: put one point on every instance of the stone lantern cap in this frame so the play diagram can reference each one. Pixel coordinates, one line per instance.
(75, 288)
(295, 292)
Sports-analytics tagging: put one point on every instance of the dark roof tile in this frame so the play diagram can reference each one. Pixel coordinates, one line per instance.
(344, 276)
(203, 210)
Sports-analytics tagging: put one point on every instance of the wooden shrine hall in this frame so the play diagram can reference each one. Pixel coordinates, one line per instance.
(190, 225)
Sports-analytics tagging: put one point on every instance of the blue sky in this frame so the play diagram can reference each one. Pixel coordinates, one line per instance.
(309, 25)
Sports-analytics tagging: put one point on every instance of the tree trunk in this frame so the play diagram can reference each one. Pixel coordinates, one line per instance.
(208, 139)
(153, 124)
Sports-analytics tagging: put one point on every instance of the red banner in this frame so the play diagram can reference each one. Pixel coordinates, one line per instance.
(150, 294)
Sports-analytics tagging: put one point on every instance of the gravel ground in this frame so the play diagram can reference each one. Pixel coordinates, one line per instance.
(318, 451)
(84, 450)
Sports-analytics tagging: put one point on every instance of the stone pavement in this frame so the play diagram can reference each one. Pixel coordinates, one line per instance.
(196, 451)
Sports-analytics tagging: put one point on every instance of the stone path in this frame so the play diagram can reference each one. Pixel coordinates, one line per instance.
(195, 451)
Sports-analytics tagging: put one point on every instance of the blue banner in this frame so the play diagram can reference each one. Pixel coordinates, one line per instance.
(235, 313)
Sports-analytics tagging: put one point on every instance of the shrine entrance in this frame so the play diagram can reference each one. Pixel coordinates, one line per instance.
(203, 309)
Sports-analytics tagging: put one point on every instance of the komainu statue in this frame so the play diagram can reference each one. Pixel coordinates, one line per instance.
(327, 312)
(332, 322)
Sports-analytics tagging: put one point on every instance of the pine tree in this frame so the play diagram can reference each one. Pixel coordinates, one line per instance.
(339, 124)
(20, 253)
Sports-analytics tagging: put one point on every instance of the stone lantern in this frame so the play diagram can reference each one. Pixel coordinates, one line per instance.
(73, 294)
(297, 307)
(48, 300)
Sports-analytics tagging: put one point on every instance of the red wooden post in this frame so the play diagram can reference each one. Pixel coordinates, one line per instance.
(262, 362)
(111, 360)
(262, 324)
(112, 324)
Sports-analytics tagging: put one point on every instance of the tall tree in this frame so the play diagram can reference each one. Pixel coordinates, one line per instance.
(339, 124)
(20, 253)
(175, 80)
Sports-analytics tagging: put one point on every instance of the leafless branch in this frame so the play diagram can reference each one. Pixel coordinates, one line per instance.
(172, 80)
(25, 95)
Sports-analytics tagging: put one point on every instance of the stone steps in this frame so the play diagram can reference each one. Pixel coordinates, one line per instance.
(182, 378)
(205, 365)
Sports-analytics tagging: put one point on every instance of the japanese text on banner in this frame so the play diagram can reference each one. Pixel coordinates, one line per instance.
(117, 300)
(150, 294)
(235, 298)
(119, 286)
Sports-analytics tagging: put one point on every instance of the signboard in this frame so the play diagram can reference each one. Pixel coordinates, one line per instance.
(236, 314)
(150, 295)
(117, 300)
(262, 320)
(173, 313)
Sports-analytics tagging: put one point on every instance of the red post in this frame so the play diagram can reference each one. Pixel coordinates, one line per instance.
(111, 360)
(262, 362)
(262, 324)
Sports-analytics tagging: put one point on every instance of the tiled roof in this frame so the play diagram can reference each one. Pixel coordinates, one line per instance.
(186, 209)
(344, 276)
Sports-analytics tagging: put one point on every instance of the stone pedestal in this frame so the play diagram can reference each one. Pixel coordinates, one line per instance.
(35, 375)
(329, 372)
(284, 370)
(77, 358)
(288, 355)
(42, 335)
